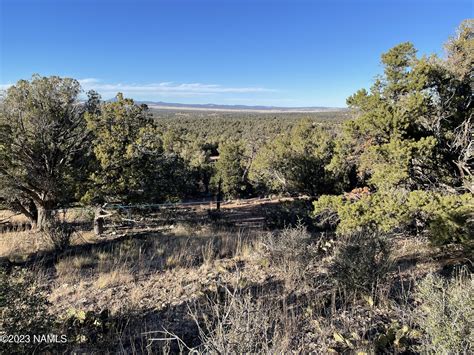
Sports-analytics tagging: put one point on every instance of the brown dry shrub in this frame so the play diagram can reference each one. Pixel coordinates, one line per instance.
(238, 322)
(361, 262)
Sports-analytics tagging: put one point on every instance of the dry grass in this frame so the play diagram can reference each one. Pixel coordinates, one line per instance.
(113, 278)
(139, 263)
(12, 216)
(250, 292)
(240, 323)
(292, 253)
(68, 215)
(19, 245)
(74, 268)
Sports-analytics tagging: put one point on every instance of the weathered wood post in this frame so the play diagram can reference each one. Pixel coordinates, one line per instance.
(98, 221)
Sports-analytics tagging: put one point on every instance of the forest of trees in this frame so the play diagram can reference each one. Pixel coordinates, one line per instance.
(407, 149)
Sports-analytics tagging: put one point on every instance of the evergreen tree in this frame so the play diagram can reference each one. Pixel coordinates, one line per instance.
(295, 162)
(411, 144)
(132, 165)
(231, 170)
(43, 142)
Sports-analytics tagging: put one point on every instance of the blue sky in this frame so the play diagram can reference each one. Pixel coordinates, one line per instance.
(282, 53)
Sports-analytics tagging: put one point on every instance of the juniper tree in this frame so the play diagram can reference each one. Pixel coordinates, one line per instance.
(232, 170)
(42, 138)
(295, 162)
(410, 142)
(413, 129)
(132, 165)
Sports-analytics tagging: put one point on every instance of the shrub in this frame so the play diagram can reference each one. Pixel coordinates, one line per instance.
(376, 211)
(59, 234)
(448, 217)
(89, 329)
(361, 329)
(288, 214)
(445, 218)
(446, 313)
(361, 261)
(292, 252)
(238, 323)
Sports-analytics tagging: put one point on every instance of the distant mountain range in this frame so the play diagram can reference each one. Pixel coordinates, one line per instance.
(213, 107)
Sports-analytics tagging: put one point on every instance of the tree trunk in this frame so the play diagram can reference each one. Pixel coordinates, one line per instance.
(45, 216)
(32, 214)
(219, 195)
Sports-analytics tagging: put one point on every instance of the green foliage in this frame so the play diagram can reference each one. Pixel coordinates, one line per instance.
(196, 136)
(458, 70)
(389, 165)
(376, 211)
(460, 51)
(446, 313)
(89, 328)
(43, 140)
(448, 217)
(132, 164)
(444, 217)
(397, 62)
(194, 152)
(294, 162)
(410, 140)
(410, 129)
(215, 128)
(231, 170)
(397, 337)
(120, 131)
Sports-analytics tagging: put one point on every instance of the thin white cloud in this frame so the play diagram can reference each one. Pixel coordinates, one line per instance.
(88, 81)
(167, 88)
(172, 90)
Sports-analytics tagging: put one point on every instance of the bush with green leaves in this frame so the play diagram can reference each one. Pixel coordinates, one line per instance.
(410, 145)
(131, 164)
(411, 129)
(445, 218)
(294, 161)
(446, 313)
(89, 329)
(232, 170)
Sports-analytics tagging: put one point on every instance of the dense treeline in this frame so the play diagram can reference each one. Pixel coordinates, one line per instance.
(256, 127)
(408, 149)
